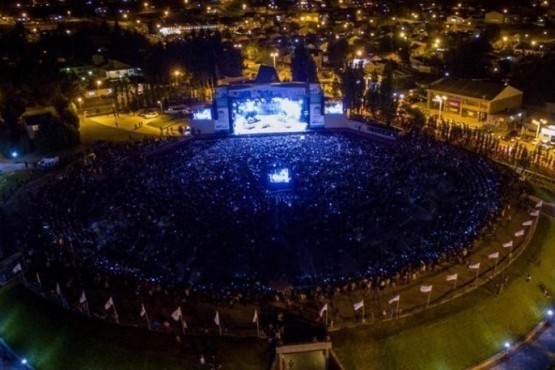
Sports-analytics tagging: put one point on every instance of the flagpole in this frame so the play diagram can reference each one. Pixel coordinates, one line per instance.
(147, 320)
(495, 267)
(87, 307)
(257, 327)
(455, 283)
(115, 312)
(363, 319)
(326, 317)
(429, 296)
(477, 272)
(397, 309)
(182, 324)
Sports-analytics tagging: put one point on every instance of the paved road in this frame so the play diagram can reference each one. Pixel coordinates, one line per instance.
(537, 354)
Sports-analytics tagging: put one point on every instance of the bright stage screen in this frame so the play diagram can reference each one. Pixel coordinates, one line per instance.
(202, 114)
(269, 115)
(279, 176)
(333, 107)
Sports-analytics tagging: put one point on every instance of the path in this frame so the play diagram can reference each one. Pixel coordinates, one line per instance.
(538, 353)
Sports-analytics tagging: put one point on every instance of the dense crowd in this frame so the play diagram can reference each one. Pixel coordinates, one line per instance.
(203, 215)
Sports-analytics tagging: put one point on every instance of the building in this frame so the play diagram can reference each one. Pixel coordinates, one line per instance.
(494, 17)
(474, 100)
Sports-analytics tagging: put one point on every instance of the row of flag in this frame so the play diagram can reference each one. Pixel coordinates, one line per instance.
(178, 316)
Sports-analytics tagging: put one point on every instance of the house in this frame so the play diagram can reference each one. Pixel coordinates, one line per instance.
(33, 118)
(494, 17)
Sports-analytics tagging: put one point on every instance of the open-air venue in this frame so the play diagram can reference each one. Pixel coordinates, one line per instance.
(281, 185)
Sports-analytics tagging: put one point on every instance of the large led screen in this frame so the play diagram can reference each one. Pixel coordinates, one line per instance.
(269, 115)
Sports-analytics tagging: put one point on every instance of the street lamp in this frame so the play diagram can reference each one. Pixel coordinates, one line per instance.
(80, 101)
(98, 83)
(274, 55)
(160, 104)
(440, 99)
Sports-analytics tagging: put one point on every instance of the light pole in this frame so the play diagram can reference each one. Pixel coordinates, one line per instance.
(98, 83)
(274, 55)
(80, 101)
(440, 99)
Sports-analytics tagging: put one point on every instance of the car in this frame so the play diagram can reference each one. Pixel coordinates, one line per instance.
(49, 162)
(149, 115)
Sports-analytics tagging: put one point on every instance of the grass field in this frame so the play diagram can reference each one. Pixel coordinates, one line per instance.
(465, 331)
(454, 335)
(53, 339)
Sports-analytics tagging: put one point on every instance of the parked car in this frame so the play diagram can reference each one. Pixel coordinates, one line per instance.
(149, 115)
(49, 162)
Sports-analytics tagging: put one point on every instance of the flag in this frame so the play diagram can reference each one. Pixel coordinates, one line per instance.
(176, 315)
(535, 213)
(474, 266)
(109, 303)
(143, 310)
(519, 233)
(323, 309)
(255, 317)
(58, 290)
(217, 318)
(83, 298)
(395, 299)
(17, 268)
(494, 255)
(539, 204)
(527, 223)
(508, 244)
(452, 277)
(426, 288)
(358, 305)
(38, 279)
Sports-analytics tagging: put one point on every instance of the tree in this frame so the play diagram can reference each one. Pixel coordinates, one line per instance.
(302, 66)
(372, 98)
(352, 87)
(388, 103)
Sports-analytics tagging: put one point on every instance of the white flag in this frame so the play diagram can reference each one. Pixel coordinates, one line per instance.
(176, 315)
(474, 266)
(255, 317)
(58, 290)
(539, 204)
(358, 305)
(323, 309)
(217, 318)
(83, 298)
(395, 299)
(508, 244)
(494, 255)
(143, 310)
(527, 223)
(452, 277)
(535, 213)
(519, 233)
(17, 268)
(426, 288)
(109, 303)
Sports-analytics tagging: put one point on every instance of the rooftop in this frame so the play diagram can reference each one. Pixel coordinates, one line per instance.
(472, 88)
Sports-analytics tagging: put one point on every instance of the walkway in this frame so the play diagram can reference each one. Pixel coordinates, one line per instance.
(538, 353)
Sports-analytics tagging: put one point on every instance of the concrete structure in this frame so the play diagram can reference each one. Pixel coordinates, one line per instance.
(481, 101)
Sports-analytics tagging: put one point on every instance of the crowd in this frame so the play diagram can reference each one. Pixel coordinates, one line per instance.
(201, 222)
